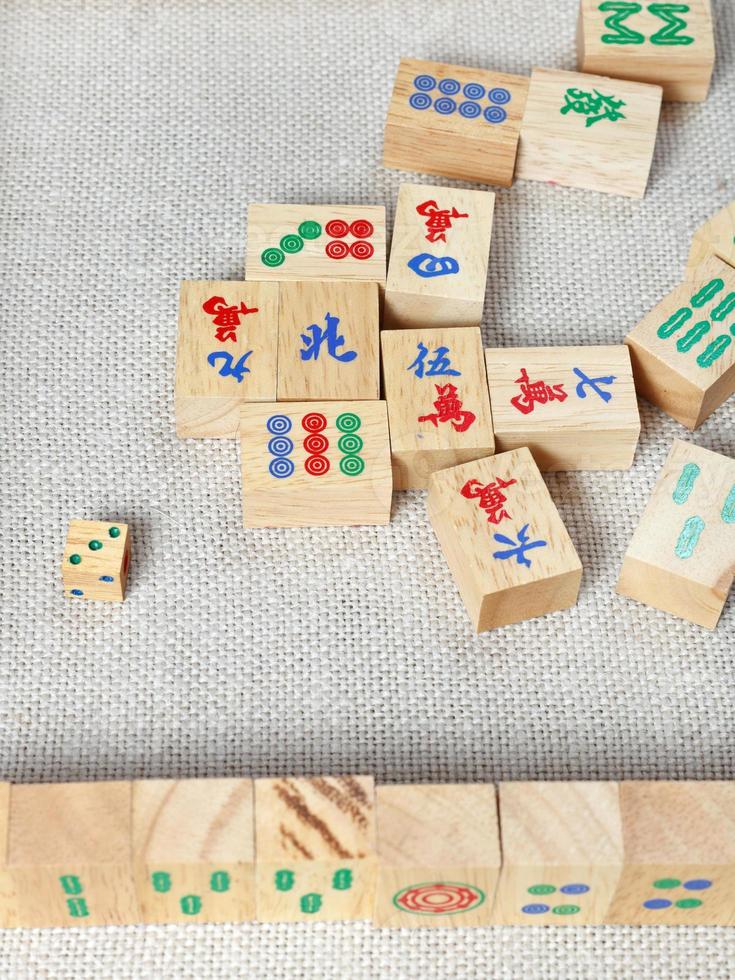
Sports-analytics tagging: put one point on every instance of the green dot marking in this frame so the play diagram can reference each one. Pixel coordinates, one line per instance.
(541, 889)
(565, 909)
(310, 230)
(348, 422)
(350, 444)
(667, 883)
(688, 903)
(352, 465)
(75, 559)
(291, 243)
(272, 257)
(95, 545)
(114, 532)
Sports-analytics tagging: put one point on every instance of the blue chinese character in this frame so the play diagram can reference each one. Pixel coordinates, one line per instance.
(438, 364)
(227, 370)
(429, 266)
(329, 334)
(594, 384)
(518, 548)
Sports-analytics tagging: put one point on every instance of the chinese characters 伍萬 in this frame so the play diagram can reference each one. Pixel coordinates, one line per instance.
(449, 409)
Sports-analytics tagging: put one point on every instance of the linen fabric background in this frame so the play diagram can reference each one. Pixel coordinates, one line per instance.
(133, 137)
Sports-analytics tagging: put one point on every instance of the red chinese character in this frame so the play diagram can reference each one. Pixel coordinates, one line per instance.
(449, 409)
(226, 318)
(438, 220)
(491, 497)
(535, 391)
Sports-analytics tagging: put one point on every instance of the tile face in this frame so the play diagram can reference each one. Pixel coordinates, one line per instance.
(96, 560)
(503, 538)
(328, 345)
(574, 407)
(69, 854)
(454, 121)
(562, 853)
(194, 849)
(681, 558)
(315, 848)
(438, 405)
(226, 354)
(669, 44)
(679, 845)
(715, 237)
(683, 352)
(438, 855)
(314, 464)
(316, 241)
(439, 257)
(8, 909)
(588, 131)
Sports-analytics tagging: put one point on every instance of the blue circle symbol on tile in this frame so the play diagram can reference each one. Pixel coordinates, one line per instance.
(106, 578)
(473, 91)
(280, 446)
(77, 592)
(419, 100)
(281, 467)
(657, 903)
(574, 889)
(449, 86)
(278, 425)
(697, 884)
(494, 114)
(536, 908)
(500, 96)
(445, 107)
(470, 110)
(424, 83)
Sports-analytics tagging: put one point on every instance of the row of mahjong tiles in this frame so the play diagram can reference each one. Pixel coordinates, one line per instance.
(326, 848)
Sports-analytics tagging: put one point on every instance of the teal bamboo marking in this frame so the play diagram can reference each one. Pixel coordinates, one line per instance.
(685, 483)
(728, 508)
(675, 321)
(75, 559)
(620, 10)
(342, 880)
(219, 881)
(78, 908)
(724, 307)
(707, 293)
(114, 532)
(693, 336)
(310, 903)
(714, 350)
(690, 534)
(669, 34)
(71, 885)
(191, 904)
(95, 545)
(284, 880)
(161, 881)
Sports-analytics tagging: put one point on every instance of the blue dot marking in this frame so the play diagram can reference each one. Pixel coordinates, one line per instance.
(280, 446)
(278, 425)
(473, 91)
(500, 96)
(445, 107)
(106, 578)
(424, 83)
(469, 110)
(494, 114)
(419, 100)
(657, 903)
(449, 86)
(536, 908)
(280, 467)
(77, 592)
(574, 889)
(697, 884)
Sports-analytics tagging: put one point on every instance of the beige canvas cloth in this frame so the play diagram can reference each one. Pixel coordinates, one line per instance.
(132, 137)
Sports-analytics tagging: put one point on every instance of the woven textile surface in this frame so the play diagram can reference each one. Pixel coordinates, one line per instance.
(132, 137)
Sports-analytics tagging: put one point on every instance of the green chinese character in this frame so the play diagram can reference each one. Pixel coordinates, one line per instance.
(670, 34)
(594, 105)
